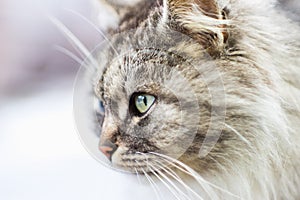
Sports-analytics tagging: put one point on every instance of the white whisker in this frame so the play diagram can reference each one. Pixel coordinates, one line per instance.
(138, 176)
(166, 184)
(169, 181)
(69, 54)
(161, 180)
(207, 189)
(239, 135)
(204, 183)
(169, 171)
(152, 183)
(74, 40)
(165, 166)
(96, 28)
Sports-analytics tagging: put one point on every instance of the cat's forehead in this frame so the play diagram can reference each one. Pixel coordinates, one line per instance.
(125, 76)
(138, 70)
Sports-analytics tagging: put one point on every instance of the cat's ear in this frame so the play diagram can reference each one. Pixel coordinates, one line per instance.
(203, 20)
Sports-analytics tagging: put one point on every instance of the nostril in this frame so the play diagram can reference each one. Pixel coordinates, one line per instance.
(108, 150)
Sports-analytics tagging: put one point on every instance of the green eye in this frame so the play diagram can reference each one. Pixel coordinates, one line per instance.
(144, 102)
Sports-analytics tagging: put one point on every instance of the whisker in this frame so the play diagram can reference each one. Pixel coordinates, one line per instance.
(74, 40)
(169, 171)
(97, 29)
(239, 135)
(155, 174)
(166, 184)
(138, 176)
(196, 176)
(152, 183)
(209, 191)
(69, 54)
(171, 182)
(165, 166)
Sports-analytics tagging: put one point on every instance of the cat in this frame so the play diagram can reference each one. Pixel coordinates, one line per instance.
(203, 95)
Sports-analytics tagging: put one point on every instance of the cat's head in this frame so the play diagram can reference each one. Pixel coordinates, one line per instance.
(180, 83)
(150, 106)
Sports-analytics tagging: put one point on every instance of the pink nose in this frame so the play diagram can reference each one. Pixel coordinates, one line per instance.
(108, 150)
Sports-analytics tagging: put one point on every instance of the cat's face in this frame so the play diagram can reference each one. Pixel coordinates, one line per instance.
(187, 94)
(159, 92)
(150, 107)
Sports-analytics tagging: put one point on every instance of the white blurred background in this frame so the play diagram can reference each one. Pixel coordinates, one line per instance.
(28, 40)
(41, 154)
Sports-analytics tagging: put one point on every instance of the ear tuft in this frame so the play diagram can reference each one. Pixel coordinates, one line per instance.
(203, 20)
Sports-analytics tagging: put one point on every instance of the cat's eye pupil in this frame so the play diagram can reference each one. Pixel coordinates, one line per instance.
(142, 99)
(144, 102)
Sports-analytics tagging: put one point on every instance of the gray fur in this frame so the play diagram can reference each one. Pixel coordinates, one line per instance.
(179, 53)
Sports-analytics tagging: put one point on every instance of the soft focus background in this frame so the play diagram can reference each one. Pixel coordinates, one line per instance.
(41, 154)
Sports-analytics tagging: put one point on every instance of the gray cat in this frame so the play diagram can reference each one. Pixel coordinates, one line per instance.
(204, 93)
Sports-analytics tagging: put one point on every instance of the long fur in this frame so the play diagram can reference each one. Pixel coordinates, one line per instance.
(255, 48)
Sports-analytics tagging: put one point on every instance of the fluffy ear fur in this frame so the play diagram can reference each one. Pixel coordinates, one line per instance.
(203, 20)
